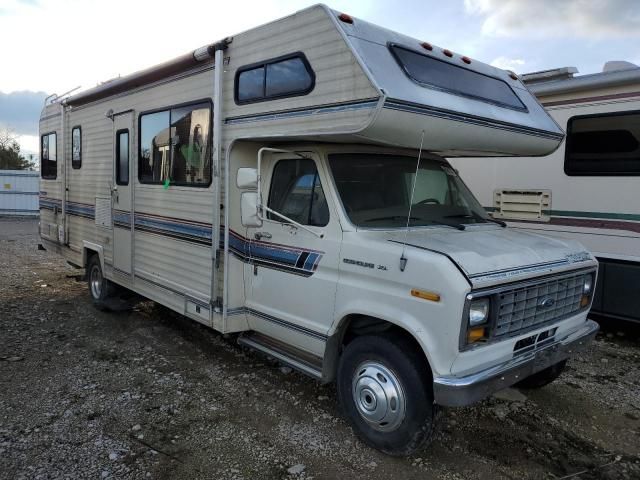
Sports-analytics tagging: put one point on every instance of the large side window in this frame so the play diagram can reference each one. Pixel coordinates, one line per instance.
(76, 147)
(48, 156)
(606, 144)
(276, 78)
(441, 75)
(122, 157)
(175, 146)
(296, 192)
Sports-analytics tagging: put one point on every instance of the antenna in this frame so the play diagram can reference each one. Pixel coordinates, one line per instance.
(403, 259)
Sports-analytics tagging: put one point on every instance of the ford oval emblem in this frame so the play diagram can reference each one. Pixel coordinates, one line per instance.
(546, 302)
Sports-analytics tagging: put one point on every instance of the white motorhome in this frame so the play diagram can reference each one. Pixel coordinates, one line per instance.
(288, 185)
(589, 189)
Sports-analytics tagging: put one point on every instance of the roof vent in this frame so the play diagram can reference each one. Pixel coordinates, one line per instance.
(549, 75)
(616, 65)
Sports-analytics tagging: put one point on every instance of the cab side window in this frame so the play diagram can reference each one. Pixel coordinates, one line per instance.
(296, 192)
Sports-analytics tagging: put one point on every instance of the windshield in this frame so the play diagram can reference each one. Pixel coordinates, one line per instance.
(376, 192)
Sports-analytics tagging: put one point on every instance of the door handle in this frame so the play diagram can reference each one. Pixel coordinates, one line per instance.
(261, 235)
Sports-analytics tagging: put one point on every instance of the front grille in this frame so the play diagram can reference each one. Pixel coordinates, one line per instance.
(531, 306)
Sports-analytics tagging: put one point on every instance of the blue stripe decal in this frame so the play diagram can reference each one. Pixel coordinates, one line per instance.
(25, 175)
(10, 192)
(121, 217)
(311, 260)
(270, 255)
(295, 260)
(175, 227)
(284, 323)
(81, 210)
(340, 107)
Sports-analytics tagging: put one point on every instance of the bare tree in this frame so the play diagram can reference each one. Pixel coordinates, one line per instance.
(10, 157)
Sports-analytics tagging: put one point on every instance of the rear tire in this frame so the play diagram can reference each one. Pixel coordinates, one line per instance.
(386, 391)
(543, 377)
(100, 289)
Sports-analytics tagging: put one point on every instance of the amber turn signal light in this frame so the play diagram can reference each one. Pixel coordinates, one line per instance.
(476, 334)
(423, 294)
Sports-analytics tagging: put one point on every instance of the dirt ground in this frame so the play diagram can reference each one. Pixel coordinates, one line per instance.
(149, 394)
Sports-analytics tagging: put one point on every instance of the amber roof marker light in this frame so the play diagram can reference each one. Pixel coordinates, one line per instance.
(447, 52)
(513, 75)
(346, 18)
(426, 46)
(466, 60)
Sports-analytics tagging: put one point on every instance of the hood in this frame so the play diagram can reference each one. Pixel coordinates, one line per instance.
(492, 254)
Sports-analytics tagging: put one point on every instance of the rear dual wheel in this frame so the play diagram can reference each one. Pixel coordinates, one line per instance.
(100, 288)
(385, 390)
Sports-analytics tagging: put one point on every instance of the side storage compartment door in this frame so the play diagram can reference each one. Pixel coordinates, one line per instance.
(294, 272)
(121, 192)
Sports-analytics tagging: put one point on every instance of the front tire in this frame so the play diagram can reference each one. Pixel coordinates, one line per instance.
(386, 392)
(100, 288)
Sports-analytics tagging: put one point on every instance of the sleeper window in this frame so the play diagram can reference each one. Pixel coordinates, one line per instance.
(122, 157)
(175, 146)
(604, 144)
(296, 192)
(76, 147)
(48, 157)
(276, 78)
(442, 75)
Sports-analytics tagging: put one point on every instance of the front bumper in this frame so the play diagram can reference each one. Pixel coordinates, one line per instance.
(461, 391)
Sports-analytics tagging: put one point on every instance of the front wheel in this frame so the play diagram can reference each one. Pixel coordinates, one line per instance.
(386, 392)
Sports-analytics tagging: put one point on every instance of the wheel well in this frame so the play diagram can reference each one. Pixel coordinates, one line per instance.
(354, 326)
(88, 254)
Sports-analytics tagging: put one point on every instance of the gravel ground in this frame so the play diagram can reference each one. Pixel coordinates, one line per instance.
(149, 394)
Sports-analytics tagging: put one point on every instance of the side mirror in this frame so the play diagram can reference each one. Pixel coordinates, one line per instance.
(249, 208)
(247, 178)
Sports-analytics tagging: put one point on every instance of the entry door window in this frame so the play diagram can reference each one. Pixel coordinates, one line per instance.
(122, 157)
(296, 192)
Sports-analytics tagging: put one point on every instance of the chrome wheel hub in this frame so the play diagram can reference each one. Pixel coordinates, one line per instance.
(378, 396)
(95, 281)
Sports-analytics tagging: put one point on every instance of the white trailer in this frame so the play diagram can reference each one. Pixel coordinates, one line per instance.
(19, 193)
(587, 190)
(276, 185)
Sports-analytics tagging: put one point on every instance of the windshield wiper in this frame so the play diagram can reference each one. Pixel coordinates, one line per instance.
(390, 217)
(457, 226)
(402, 217)
(477, 217)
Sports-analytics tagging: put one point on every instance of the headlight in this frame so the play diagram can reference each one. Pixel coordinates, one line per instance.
(478, 311)
(587, 290)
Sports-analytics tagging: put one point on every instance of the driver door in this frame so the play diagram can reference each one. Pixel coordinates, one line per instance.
(293, 272)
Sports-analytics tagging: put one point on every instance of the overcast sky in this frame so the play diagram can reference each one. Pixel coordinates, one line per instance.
(55, 45)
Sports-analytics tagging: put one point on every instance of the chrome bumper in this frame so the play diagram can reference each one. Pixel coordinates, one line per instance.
(461, 391)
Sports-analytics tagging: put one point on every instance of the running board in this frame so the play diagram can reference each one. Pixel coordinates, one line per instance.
(290, 356)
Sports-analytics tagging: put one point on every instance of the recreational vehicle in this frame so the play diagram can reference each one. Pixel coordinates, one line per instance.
(288, 185)
(589, 189)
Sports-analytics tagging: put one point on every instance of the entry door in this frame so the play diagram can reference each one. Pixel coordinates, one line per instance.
(293, 272)
(121, 192)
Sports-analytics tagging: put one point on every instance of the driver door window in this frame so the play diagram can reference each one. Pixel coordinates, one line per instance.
(296, 192)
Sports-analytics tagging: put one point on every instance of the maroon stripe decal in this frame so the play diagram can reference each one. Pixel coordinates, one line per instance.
(597, 223)
(173, 219)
